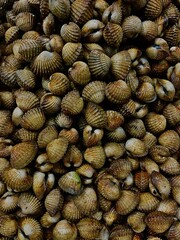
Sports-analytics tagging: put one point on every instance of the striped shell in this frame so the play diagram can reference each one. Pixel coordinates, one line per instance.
(70, 32)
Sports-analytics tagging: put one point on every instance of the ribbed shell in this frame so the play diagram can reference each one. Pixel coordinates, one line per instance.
(171, 35)
(146, 92)
(70, 32)
(136, 221)
(47, 221)
(131, 26)
(149, 30)
(8, 76)
(141, 180)
(171, 140)
(26, 78)
(114, 120)
(24, 135)
(147, 202)
(136, 147)
(26, 100)
(25, 21)
(155, 123)
(44, 8)
(136, 128)
(50, 103)
(60, 8)
(6, 125)
(59, 84)
(172, 12)
(121, 232)
(171, 166)
(29, 204)
(153, 9)
(72, 52)
(11, 34)
(64, 230)
(46, 135)
(8, 226)
(95, 156)
(8, 202)
(70, 211)
(113, 34)
(174, 231)
(120, 168)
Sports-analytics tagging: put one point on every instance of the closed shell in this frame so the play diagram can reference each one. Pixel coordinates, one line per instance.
(146, 92)
(136, 221)
(155, 123)
(70, 32)
(70, 211)
(11, 34)
(29, 204)
(113, 34)
(136, 128)
(8, 202)
(8, 75)
(131, 26)
(60, 8)
(59, 84)
(25, 21)
(120, 168)
(24, 135)
(114, 120)
(121, 232)
(64, 230)
(147, 202)
(50, 103)
(72, 52)
(6, 125)
(174, 231)
(8, 226)
(141, 180)
(149, 30)
(25, 79)
(136, 147)
(170, 139)
(46, 135)
(153, 9)
(47, 220)
(95, 156)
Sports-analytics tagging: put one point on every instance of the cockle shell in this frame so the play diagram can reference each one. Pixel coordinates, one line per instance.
(24, 135)
(135, 128)
(73, 157)
(168, 206)
(149, 30)
(26, 100)
(47, 221)
(70, 211)
(25, 21)
(147, 202)
(173, 232)
(114, 120)
(153, 9)
(46, 135)
(50, 103)
(25, 79)
(60, 8)
(8, 226)
(131, 26)
(8, 75)
(171, 35)
(9, 201)
(64, 230)
(59, 84)
(113, 13)
(120, 168)
(121, 232)
(113, 34)
(155, 123)
(63, 120)
(11, 34)
(95, 156)
(136, 221)
(72, 52)
(171, 140)
(159, 153)
(172, 13)
(136, 147)
(114, 150)
(70, 32)
(146, 92)
(141, 180)
(6, 125)
(44, 8)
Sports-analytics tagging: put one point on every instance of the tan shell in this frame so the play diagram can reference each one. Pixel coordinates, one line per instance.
(46, 63)
(159, 153)
(73, 157)
(8, 75)
(47, 221)
(113, 13)
(46, 135)
(171, 166)
(153, 9)
(8, 202)
(64, 230)
(6, 125)
(136, 128)
(173, 74)
(170, 139)
(17, 179)
(168, 206)
(136, 221)
(11, 34)
(173, 232)
(120, 168)
(149, 30)
(63, 120)
(24, 135)
(155, 123)
(136, 147)
(31, 35)
(44, 8)
(172, 12)
(22, 154)
(50, 103)
(33, 119)
(59, 84)
(8, 226)
(147, 202)
(95, 115)
(60, 9)
(131, 26)
(120, 64)
(95, 156)
(85, 170)
(113, 34)
(70, 32)
(29, 204)
(114, 120)
(104, 204)
(56, 149)
(117, 135)
(171, 35)
(127, 202)
(71, 53)
(89, 228)
(70, 211)
(121, 232)
(141, 180)
(118, 92)
(25, 79)
(110, 217)
(114, 150)
(159, 50)
(146, 92)
(25, 21)
(72, 103)
(72, 135)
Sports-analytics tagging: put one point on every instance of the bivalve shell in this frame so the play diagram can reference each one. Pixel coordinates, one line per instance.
(120, 168)
(8, 226)
(47, 221)
(155, 123)
(60, 9)
(121, 232)
(141, 180)
(26, 79)
(29, 204)
(6, 125)
(11, 34)
(64, 230)
(171, 140)
(174, 231)
(136, 147)
(50, 103)
(136, 221)
(113, 34)
(8, 202)
(153, 9)
(25, 21)
(131, 26)
(135, 128)
(46, 135)
(114, 120)
(71, 212)
(70, 32)
(147, 202)
(59, 84)
(149, 30)
(71, 53)
(95, 156)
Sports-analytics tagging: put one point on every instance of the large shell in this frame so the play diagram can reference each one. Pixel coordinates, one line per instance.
(46, 135)
(95, 156)
(153, 9)
(29, 204)
(70, 32)
(113, 34)
(59, 84)
(60, 8)
(65, 230)
(147, 202)
(171, 140)
(71, 53)
(131, 26)
(25, 78)
(25, 21)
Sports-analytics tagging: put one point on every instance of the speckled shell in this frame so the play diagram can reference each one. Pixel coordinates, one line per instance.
(60, 8)
(25, 21)
(46, 135)
(170, 139)
(65, 230)
(174, 231)
(147, 202)
(29, 204)
(72, 52)
(25, 78)
(113, 34)
(153, 9)
(59, 84)
(155, 123)
(70, 32)
(95, 156)
(131, 26)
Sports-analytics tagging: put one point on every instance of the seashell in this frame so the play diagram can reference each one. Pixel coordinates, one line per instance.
(147, 202)
(168, 206)
(60, 9)
(33, 119)
(56, 149)
(131, 26)
(70, 183)
(86, 202)
(114, 150)
(54, 202)
(48, 24)
(120, 168)
(158, 69)
(8, 226)
(39, 185)
(89, 228)
(46, 63)
(85, 170)
(108, 187)
(50, 103)
(72, 103)
(153, 9)
(63, 120)
(136, 221)
(7, 76)
(170, 139)
(149, 165)
(170, 166)
(30, 228)
(120, 65)
(95, 156)
(72, 135)
(25, 21)
(8, 202)
(5, 147)
(2, 188)
(149, 30)
(44, 8)
(173, 232)
(143, 66)
(46, 135)
(173, 74)
(158, 222)
(104, 204)
(73, 157)
(146, 92)
(23, 135)
(90, 137)
(159, 185)
(165, 90)
(29, 204)
(2, 30)
(171, 35)
(12, 61)
(71, 53)
(155, 123)
(23, 154)
(17, 179)
(70, 32)
(141, 180)
(118, 92)
(159, 153)
(11, 34)
(6, 125)
(70, 211)
(135, 128)
(26, 79)
(54, 44)
(59, 84)
(141, 110)
(11, 17)
(135, 147)
(17, 116)
(95, 115)
(47, 221)
(110, 217)
(113, 13)
(114, 120)
(88, 47)
(64, 230)
(79, 73)
(159, 50)
(81, 11)
(121, 232)
(118, 135)
(34, 35)
(113, 34)
(132, 80)
(172, 13)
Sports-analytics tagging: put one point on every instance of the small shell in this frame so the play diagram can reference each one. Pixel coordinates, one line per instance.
(8, 76)
(23, 135)
(172, 12)
(141, 180)
(71, 53)
(171, 166)
(110, 217)
(73, 157)
(64, 230)
(86, 170)
(114, 120)
(117, 135)
(95, 156)
(60, 9)
(171, 35)
(29, 204)
(89, 228)
(131, 26)
(6, 125)
(72, 103)
(99, 63)
(44, 8)
(63, 120)
(23, 154)
(50, 103)
(136, 128)
(33, 119)
(59, 84)
(104, 204)
(120, 168)
(70, 183)
(56, 149)
(172, 114)
(146, 92)
(158, 222)
(31, 35)
(70, 211)
(155, 123)
(120, 65)
(171, 140)
(30, 228)
(149, 30)
(25, 21)
(25, 78)
(11, 34)
(136, 147)
(118, 92)
(147, 202)
(79, 72)
(113, 34)
(127, 202)
(174, 231)
(47, 221)
(153, 9)
(17, 179)
(121, 232)
(70, 32)
(72, 135)
(46, 135)
(159, 153)
(54, 202)
(113, 13)
(8, 226)
(46, 63)
(168, 206)
(114, 150)
(136, 221)
(48, 24)
(173, 74)
(143, 66)
(8, 202)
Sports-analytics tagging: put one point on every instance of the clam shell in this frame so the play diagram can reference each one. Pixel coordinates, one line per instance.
(29, 204)
(54, 202)
(131, 26)
(114, 150)
(72, 103)
(56, 149)
(172, 114)
(127, 202)
(81, 11)
(70, 183)
(8, 226)
(25, 21)
(34, 35)
(136, 128)
(46, 135)
(79, 73)
(149, 30)
(121, 232)
(147, 202)
(17, 179)
(99, 63)
(85, 170)
(48, 24)
(11, 17)
(153, 9)
(50, 103)
(47, 221)
(159, 153)
(141, 180)
(117, 135)
(26, 100)
(8, 76)
(171, 35)
(59, 84)
(113, 34)
(44, 8)
(104, 204)
(146, 92)
(172, 13)
(46, 63)
(94, 92)
(136, 147)
(65, 230)
(90, 137)
(95, 115)
(171, 166)
(70, 211)
(114, 120)
(39, 185)
(23, 154)
(113, 13)
(120, 65)
(120, 168)
(6, 125)
(63, 120)
(168, 206)
(136, 221)
(23, 135)
(33, 119)
(95, 156)
(159, 50)
(72, 135)
(26, 79)
(8, 202)
(73, 157)
(70, 32)
(155, 123)
(170, 139)
(110, 217)
(174, 232)
(60, 9)
(71, 53)
(11, 34)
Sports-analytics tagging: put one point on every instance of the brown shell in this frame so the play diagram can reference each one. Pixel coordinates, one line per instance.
(114, 120)
(131, 26)
(155, 123)
(146, 92)
(11, 34)
(65, 230)
(120, 168)
(59, 84)
(29, 204)
(46, 135)
(113, 34)
(141, 180)
(8, 202)
(63, 120)
(172, 114)
(149, 30)
(50, 103)
(8, 76)
(173, 232)
(26, 78)
(72, 52)
(47, 221)
(136, 147)
(171, 166)
(95, 156)
(136, 221)
(31, 35)
(171, 35)
(147, 202)
(25, 21)
(121, 232)
(60, 9)
(172, 12)
(8, 226)
(136, 128)
(153, 9)
(24, 135)
(70, 32)
(73, 157)
(70, 211)
(44, 8)
(6, 125)
(168, 206)
(171, 140)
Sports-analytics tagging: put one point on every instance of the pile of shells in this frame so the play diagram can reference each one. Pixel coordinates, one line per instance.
(90, 119)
